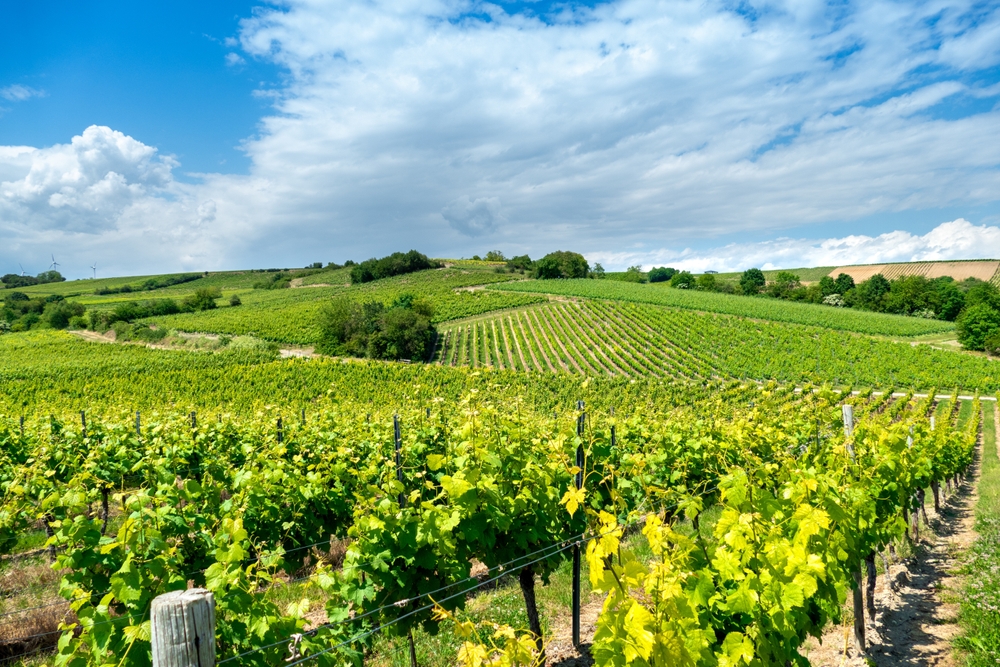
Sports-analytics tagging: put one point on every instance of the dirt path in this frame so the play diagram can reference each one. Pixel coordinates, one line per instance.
(916, 622)
(560, 652)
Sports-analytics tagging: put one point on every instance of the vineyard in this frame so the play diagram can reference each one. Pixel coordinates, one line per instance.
(255, 509)
(290, 315)
(619, 338)
(843, 319)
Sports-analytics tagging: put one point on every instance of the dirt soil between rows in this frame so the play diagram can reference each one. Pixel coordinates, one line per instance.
(916, 618)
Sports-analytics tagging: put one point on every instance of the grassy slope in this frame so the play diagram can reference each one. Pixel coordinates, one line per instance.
(808, 275)
(291, 315)
(980, 608)
(844, 319)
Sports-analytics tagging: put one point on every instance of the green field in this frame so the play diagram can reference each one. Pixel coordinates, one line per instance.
(844, 319)
(594, 337)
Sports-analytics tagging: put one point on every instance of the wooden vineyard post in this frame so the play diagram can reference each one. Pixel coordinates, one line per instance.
(183, 629)
(138, 424)
(580, 423)
(281, 431)
(22, 426)
(398, 445)
(858, 595)
(83, 423)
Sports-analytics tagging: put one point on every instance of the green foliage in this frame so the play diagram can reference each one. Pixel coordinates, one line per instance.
(561, 264)
(682, 280)
(402, 331)
(397, 263)
(149, 284)
(235, 300)
(706, 282)
(203, 298)
(661, 274)
(597, 271)
(495, 256)
(976, 324)
(279, 280)
(520, 263)
(14, 281)
(765, 309)
(752, 281)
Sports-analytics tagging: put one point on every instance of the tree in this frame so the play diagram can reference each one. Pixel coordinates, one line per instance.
(682, 280)
(561, 264)
(706, 282)
(495, 256)
(843, 284)
(976, 324)
(869, 294)
(827, 286)
(203, 298)
(983, 292)
(597, 271)
(395, 264)
(520, 263)
(661, 274)
(402, 331)
(634, 274)
(752, 281)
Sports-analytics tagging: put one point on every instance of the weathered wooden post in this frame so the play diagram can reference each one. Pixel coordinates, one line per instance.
(183, 629)
(580, 426)
(858, 595)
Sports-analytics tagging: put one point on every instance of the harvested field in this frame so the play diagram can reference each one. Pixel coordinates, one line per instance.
(983, 270)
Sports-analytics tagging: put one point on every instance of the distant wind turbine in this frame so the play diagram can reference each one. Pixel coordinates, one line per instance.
(22, 269)
(55, 264)
(94, 267)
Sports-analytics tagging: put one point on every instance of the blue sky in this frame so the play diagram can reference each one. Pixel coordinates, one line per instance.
(702, 134)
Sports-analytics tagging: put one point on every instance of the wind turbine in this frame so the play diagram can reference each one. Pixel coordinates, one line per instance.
(55, 264)
(22, 270)
(94, 267)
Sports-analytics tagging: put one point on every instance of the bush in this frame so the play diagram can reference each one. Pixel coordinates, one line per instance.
(123, 331)
(706, 282)
(682, 280)
(203, 298)
(661, 274)
(395, 264)
(78, 322)
(752, 281)
(977, 323)
(402, 331)
(148, 335)
(561, 264)
(59, 313)
(235, 300)
(520, 263)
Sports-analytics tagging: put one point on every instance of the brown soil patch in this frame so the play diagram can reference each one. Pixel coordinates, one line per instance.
(559, 651)
(917, 614)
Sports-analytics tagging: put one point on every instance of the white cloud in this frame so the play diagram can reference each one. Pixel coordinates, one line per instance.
(234, 59)
(958, 239)
(636, 123)
(20, 93)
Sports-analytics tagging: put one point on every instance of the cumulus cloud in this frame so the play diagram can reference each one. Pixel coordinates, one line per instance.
(81, 186)
(20, 93)
(958, 239)
(633, 123)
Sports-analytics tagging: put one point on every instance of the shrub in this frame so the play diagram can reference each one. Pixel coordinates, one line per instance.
(147, 334)
(395, 264)
(520, 263)
(561, 264)
(203, 298)
(752, 281)
(402, 331)
(706, 282)
(977, 323)
(235, 300)
(661, 274)
(682, 280)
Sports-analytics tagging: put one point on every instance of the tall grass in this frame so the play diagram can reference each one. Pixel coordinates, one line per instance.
(980, 607)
